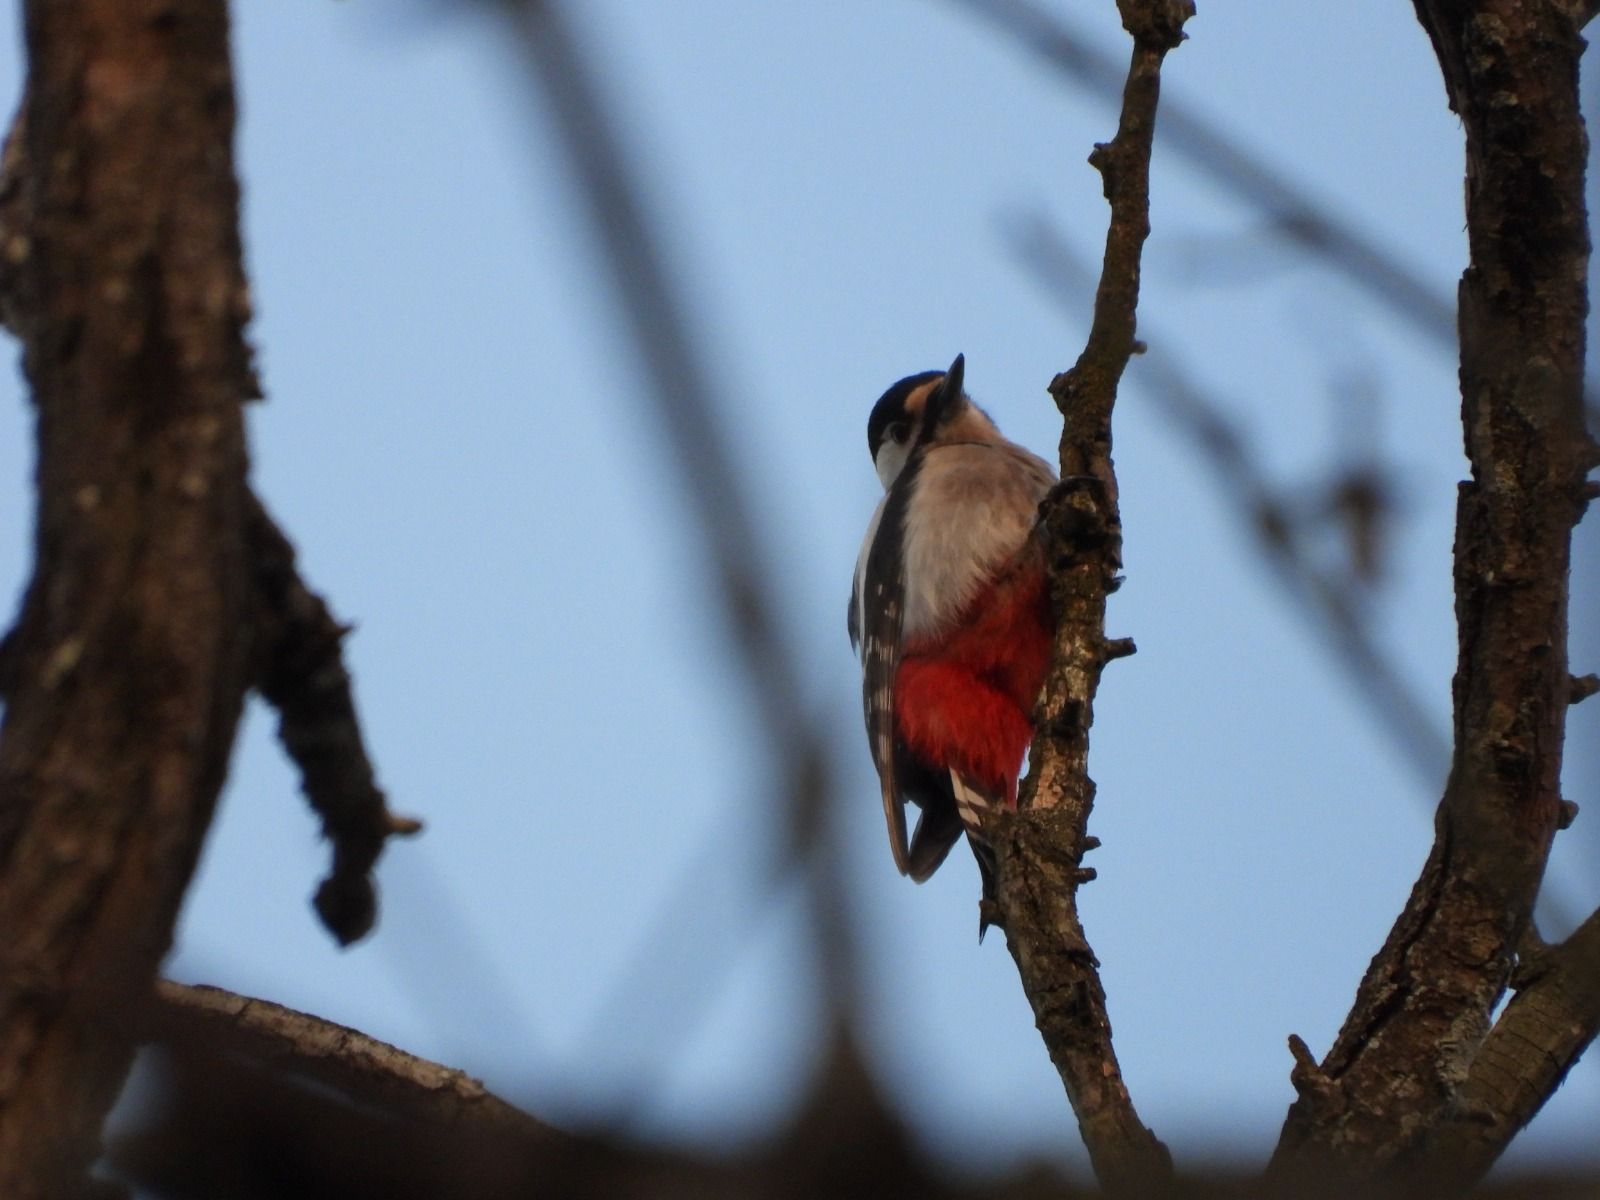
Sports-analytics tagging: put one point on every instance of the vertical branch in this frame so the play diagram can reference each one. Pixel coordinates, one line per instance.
(126, 672)
(1039, 847)
(1422, 1012)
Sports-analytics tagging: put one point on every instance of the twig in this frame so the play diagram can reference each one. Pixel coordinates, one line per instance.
(300, 671)
(1038, 849)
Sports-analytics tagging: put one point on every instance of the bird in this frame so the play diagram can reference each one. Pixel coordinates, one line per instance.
(950, 612)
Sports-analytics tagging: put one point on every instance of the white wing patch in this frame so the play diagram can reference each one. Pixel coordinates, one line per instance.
(970, 803)
(858, 616)
(880, 588)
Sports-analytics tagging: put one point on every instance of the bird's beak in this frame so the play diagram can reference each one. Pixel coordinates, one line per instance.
(956, 376)
(946, 397)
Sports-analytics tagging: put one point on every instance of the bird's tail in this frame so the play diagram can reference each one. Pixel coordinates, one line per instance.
(971, 803)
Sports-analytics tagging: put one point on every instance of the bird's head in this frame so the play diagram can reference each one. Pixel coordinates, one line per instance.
(919, 411)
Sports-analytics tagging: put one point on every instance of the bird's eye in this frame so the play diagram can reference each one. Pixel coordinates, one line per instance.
(897, 432)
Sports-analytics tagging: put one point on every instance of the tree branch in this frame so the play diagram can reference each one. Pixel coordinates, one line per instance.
(1038, 848)
(1290, 211)
(1329, 602)
(261, 1101)
(316, 1050)
(300, 672)
(257, 1100)
(1551, 1020)
(127, 669)
(140, 630)
(1423, 1009)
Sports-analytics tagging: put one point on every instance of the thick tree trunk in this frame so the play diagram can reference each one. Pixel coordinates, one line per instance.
(1422, 1012)
(126, 672)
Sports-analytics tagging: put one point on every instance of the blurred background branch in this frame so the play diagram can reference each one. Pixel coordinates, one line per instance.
(1333, 600)
(679, 387)
(1291, 212)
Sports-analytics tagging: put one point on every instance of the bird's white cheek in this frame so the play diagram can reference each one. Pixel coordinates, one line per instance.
(890, 462)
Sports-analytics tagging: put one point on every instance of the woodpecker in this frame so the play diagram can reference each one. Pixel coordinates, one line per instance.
(950, 610)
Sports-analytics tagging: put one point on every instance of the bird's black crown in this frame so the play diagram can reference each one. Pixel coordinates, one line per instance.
(891, 407)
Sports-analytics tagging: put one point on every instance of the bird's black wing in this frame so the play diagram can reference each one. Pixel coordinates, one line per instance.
(883, 591)
(883, 594)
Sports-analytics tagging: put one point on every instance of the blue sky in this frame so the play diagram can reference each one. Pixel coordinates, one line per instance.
(455, 439)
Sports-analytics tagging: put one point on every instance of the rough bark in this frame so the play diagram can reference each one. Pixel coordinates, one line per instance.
(196, 1017)
(1422, 1011)
(257, 1101)
(262, 1101)
(1552, 1019)
(125, 675)
(161, 589)
(1039, 848)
